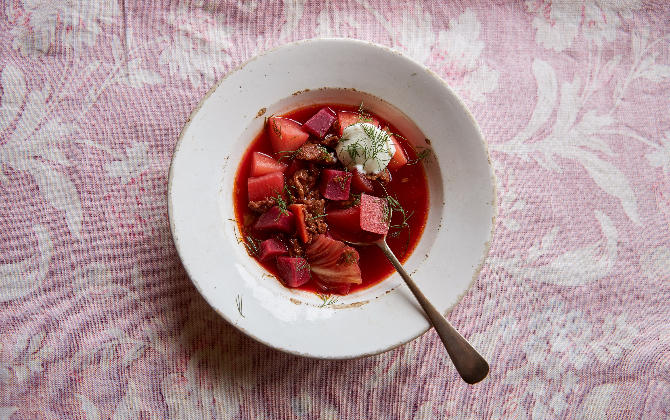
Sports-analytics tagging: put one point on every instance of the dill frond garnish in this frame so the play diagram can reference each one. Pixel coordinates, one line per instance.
(283, 206)
(423, 154)
(289, 194)
(354, 150)
(394, 207)
(287, 154)
(251, 244)
(326, 299)
(238, 302)
(379, 142)
(304, 265)
(316, 216)
(323, 153)
(363, 115)
(341, 180)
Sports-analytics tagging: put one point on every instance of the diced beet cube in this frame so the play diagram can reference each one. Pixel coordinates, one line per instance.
(320, 122)
(335, 184)
(294, 272)
(286, 135)
(271, 248)
(276, 220)
(360, 183)
(262, 187)
(262, 164)
(374, 214)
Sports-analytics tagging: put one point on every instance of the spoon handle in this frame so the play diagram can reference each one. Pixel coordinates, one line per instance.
(470, 365)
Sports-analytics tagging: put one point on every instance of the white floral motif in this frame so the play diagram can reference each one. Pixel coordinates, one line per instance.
(571, 137)
(558, 22)
(654, 263)
(128, 69)
(331, 23)
(6, 412)
(594, 405)
(32, 146)
(510, 202)
(559, 344)
(660, 157)
(132, 166)
(201, 47)
(458, 50)
(27, 356)
(88, 407)
(571, 268)
(72, 22)
(21, 278)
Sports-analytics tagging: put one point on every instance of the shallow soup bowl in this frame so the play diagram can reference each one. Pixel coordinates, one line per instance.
(448, 256)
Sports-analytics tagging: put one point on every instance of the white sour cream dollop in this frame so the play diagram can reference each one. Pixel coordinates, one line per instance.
(365, 147)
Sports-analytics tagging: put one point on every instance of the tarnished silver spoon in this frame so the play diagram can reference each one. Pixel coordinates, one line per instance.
(468, 362)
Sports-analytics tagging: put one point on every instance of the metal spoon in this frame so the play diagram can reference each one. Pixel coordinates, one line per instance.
(470, 365)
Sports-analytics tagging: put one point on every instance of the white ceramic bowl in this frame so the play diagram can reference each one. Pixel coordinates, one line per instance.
(462, 197)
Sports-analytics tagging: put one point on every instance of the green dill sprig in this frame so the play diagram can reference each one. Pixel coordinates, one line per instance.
(304, 265)
(379, 143)
(422, 155)
(363, 115)
(289, 193)
(283, 206)
(287, 154)
(354, 150)
(394, 206)
(326, 299)
(238, 303)
(324, 154)
(341, 180)
(251, 244)
(317, 216)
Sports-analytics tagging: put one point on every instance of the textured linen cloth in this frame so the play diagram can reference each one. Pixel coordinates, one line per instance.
(98, 319)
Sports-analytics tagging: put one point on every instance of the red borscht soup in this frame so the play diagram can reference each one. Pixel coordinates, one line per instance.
(322, 174)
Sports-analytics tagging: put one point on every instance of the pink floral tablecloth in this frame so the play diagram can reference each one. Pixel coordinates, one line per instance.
(98, 319)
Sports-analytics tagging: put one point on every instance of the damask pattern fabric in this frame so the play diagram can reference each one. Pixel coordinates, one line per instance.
(98, 319)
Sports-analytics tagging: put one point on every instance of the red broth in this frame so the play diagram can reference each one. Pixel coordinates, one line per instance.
(408, 185)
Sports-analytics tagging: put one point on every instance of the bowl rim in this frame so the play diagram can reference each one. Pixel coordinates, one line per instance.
(401, 55)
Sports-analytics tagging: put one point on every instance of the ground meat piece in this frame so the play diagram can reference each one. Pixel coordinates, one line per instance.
(316, 153)
(261, 206)
(295, 248)
(315, 211)
(303, 184)
(330, 140)
(384, 176)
